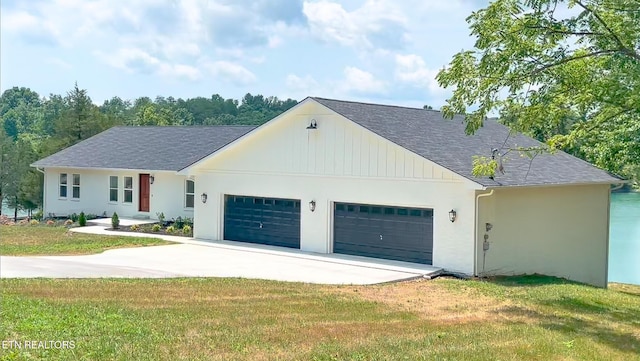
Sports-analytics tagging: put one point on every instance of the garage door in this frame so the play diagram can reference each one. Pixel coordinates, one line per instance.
(397, 233)
(272, 221)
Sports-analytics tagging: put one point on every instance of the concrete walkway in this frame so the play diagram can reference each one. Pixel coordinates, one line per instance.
(194, 258)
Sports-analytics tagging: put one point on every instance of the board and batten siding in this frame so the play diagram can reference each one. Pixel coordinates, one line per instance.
(167, 194)
(559, 231)
(337, 162)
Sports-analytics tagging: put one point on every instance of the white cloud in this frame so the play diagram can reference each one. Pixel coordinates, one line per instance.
(231, 72)
(59, 63)
(413, 70)
(361, 82)
(376, 24)
(135, 60)
(301, 84)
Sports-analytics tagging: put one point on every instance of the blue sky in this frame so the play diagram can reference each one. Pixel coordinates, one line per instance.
(385, 51)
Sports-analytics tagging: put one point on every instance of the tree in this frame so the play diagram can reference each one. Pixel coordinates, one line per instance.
(564, 71)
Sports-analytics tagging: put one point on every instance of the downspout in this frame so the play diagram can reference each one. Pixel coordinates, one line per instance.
(475, 241)
(44, 190)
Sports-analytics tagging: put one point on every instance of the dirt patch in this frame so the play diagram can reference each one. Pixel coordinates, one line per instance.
(430, 300)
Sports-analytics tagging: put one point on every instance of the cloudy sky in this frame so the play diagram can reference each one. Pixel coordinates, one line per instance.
(385, 51)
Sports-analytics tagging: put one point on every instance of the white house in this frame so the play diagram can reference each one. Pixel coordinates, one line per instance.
(382, 181)
(131, 171)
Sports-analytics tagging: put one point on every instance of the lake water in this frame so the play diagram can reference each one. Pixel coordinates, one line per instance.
(624, 238)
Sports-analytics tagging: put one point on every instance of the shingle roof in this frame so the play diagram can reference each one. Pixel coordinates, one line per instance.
(149, 148)
(443, 141)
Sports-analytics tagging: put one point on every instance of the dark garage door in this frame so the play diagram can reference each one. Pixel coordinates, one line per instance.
(397, 233)
(272, 221)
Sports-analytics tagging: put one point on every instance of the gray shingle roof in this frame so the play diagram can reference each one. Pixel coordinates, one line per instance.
(149, 148)
(443, 141)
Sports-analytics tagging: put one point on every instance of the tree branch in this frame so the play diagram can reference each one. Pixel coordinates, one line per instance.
(623, 47)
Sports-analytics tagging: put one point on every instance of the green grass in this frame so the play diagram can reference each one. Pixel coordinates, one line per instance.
(526, 318)
(47, 240)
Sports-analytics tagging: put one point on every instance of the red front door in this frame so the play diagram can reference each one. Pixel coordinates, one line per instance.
(145, 190)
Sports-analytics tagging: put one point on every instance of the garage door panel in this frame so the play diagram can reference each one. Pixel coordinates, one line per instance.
(270, 221)
(407, 233)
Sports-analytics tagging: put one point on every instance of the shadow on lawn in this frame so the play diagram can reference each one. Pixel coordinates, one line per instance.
(531, 281)
(597, 331)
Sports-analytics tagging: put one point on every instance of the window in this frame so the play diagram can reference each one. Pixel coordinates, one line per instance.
(113, 188)
(75, 189)
(189, 193)
(128, 189)
(63, 185)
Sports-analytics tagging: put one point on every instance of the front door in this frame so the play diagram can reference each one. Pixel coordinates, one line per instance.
(145, 190)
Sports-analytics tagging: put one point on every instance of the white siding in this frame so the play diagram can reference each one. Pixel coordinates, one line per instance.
(167, 194)
(338, 162)
(558, 231)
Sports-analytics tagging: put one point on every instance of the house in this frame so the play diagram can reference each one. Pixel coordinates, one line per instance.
(131, 171)
(332, 176)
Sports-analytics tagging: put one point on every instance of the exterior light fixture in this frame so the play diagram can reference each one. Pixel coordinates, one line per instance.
(312, 206)
(203, 197)
(313, 125)
(452, 215)
(151, 179)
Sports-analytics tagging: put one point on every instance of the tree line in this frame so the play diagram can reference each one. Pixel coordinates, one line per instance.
(33, 127)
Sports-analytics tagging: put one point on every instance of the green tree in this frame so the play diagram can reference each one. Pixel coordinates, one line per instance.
(566, 72)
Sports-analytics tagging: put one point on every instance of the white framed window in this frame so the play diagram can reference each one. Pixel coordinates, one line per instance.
(75, 186)
(128, 190)
(189, 193)
(62, 193)
(113, 188)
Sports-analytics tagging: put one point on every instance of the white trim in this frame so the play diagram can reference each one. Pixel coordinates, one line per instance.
(125, 189)
(186, 193)
(110, 188)
(66, 186)
(74, 186)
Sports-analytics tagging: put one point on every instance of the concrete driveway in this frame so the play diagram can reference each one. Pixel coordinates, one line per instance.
(216, 259)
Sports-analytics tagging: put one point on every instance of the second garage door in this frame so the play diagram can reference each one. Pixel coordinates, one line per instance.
(397, 233)
(272, 221)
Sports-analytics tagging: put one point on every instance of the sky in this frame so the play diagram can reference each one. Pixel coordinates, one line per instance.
(380, 51)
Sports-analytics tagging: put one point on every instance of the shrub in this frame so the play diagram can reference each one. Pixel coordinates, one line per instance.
(188, 221)
(186, 229)
(74, 217)
(35, 222)
(38, 215)
(115, 221)
(135, 227)
(156, 228)
(179, 222)
(67, 223)
(91, 216)
(82, 220)
(51, 222)
(171, 229)
(160, 216)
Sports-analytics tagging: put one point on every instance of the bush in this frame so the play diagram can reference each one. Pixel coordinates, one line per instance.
(188, 221)
(35, 222)
(115, 221)
(73, 217)
(160, 216)
(179, 222)
(135, 227)
(67, 223)
(171, 229)
(91, 216)
(186, 229)
(38, 215)
(82, 220)
(156, 228)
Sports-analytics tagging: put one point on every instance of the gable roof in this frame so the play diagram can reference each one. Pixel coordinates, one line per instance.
(443, 141)
(149, 148)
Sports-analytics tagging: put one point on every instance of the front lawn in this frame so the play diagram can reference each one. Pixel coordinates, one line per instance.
(528, 318)
(40, 240)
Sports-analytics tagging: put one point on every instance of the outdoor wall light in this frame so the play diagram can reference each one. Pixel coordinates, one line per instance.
(312, 206)
(151, 179)
(452, 215)
(203, 197)
(313, 124)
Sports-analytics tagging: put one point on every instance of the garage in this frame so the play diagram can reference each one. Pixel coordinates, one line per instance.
(396, 233)
(270, 221)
